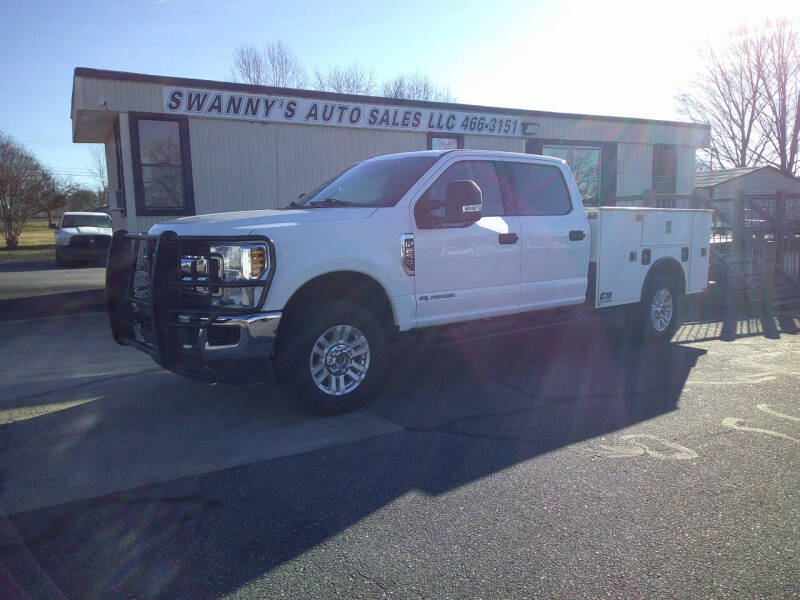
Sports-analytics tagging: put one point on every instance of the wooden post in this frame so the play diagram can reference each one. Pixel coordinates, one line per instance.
(737, 222)
(780, 224)
(767, 275)
(648, 198)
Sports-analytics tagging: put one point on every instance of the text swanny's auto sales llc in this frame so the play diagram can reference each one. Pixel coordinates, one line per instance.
(254, 107)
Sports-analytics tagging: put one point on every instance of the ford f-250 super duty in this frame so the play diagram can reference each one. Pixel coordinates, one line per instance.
(437, 245)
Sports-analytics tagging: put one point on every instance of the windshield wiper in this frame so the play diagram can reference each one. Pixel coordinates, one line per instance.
(329, 202)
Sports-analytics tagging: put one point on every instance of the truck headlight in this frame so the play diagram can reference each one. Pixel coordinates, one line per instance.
(230, 263)
(241, 262)
(62, 239)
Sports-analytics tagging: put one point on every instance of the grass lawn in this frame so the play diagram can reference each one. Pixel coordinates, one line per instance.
(36, 244)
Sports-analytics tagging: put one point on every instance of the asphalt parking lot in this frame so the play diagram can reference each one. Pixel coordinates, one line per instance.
(557, 464)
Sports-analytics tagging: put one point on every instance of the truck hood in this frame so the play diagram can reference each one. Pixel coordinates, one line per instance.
(86, 231)
(245, 222)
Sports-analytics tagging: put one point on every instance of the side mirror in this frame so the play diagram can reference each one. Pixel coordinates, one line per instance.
(463, 202)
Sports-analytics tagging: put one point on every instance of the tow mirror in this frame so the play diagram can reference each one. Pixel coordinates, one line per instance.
(463, 202)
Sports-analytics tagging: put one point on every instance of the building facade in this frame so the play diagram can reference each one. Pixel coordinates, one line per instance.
(177, 146)
(725, 183)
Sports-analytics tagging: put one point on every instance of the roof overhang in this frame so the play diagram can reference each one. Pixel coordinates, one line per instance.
(92, 126)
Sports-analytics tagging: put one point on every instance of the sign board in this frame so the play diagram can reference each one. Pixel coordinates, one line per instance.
(307, 111)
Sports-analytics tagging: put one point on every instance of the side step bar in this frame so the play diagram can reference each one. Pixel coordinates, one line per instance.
(485, 328)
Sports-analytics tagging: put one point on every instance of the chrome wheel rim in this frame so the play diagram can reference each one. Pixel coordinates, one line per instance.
(661, 309)
(339, 360)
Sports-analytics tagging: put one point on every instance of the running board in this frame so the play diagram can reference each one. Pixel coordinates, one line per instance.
(487, 328)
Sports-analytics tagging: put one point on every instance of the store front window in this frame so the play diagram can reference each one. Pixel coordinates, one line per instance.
(445, 141)
(162, 171)
(585, 164)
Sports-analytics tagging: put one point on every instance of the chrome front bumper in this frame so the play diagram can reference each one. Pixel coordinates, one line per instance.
(257, 334)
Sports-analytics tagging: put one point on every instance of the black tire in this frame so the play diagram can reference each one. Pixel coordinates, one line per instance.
(653, 322)
(60, 260)
(296, 356)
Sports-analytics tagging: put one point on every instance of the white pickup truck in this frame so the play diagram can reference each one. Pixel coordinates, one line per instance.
(436, 246)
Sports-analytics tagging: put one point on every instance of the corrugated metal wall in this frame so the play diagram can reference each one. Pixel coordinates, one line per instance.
(120, 96)
(307, 155)
(234, 165)
(634, 168)
(242, 165)
(238, 165)
(630, 132)
(686, 169)
(147, 97)
(494, 142)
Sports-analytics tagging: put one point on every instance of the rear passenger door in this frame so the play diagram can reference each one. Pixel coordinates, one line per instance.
(554, 232)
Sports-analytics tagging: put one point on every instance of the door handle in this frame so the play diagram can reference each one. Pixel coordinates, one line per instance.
(576, 235)
(508, 238)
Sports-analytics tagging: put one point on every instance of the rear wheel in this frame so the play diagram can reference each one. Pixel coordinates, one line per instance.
(332, 355)
(659, 311)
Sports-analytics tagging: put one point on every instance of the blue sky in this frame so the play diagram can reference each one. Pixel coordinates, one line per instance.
(599, 57)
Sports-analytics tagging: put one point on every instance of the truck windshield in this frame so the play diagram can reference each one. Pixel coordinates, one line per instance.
(375, 182)
(85, 221)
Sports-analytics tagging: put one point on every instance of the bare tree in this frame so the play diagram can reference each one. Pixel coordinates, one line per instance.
(97, 168)
(23, 180)
(780, 118)
(53, 199)
(727, 96)
(416, 86)
(749, 92)
(276, 65)
(249, 66)
(82, 199)
(349, 79)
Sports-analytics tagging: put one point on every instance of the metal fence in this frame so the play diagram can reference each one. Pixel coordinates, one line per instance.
(741, 226)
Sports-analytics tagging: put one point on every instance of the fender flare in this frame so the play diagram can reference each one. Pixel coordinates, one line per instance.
(664, 265)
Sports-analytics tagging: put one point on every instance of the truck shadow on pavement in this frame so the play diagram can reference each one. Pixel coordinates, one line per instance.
(465, 412)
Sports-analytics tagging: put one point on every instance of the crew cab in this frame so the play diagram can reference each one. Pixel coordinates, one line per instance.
(82, 236)
(431, 246)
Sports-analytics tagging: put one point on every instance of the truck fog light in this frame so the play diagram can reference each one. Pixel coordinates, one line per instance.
(223, 335)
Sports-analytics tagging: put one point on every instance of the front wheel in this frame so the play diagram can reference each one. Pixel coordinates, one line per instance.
(333, 355)
(60, 260)
(658, 313)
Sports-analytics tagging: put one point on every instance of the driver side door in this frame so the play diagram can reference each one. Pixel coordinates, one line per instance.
(470, 271)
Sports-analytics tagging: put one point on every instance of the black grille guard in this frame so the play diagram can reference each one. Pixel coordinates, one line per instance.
(145, 288)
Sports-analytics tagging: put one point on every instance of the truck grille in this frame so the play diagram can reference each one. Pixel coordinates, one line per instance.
(90, 241)
(140, 282)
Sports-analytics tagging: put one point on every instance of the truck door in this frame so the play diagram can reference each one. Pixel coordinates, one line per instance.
(555, 235)
(473, 271)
